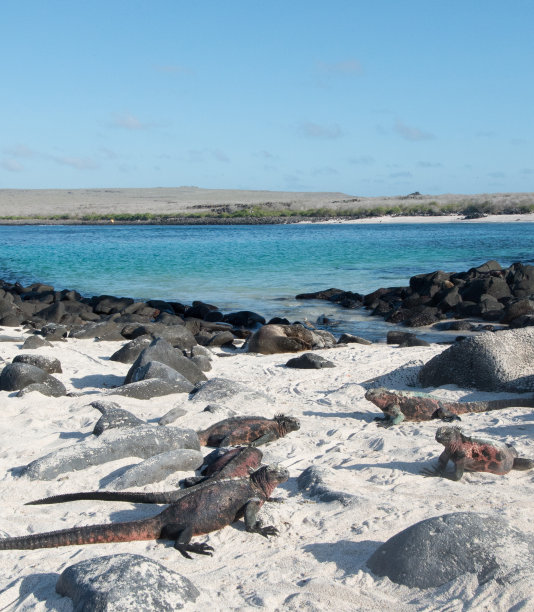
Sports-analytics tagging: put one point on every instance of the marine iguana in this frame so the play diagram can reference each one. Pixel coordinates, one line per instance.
(398, 406)
(210, 506)
(251, 430)
(237, 462)
(474, 455)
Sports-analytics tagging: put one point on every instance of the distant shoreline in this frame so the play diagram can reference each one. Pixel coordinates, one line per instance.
(186, 221)
(196, 206)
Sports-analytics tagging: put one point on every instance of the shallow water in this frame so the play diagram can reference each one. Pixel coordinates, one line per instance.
(259, 268)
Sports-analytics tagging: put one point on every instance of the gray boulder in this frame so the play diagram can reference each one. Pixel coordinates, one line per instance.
(50, 387)
(124, 582)
(217, 390)
(177, 336)
(309, 361)
(158, 467)
(171, 416)
(35, 342)
(113, 416)
(16, 376)
(500, 361)
(104, 330)
(160, 350)
(149, 388)
(131, 350)
(312, 481)
(351, 339)
(48, 364)
(143, 442)
(156, 369)
(440, 549)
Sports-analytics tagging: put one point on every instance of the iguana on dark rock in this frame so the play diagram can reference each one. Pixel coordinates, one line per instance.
(398, 406)
(237, 462)
(207, 507)
(474, 454)
(251, 430)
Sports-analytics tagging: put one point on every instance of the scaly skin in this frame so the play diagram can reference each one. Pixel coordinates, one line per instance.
(398, 406)
(237, 462)
(207, 507)
(474, 454)
(250, 430)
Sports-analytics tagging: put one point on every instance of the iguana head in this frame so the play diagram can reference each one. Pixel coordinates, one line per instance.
(448, 434)
(287, 423)
(268, 477)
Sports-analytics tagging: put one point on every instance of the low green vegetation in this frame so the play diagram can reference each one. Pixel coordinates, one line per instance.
(273, 213)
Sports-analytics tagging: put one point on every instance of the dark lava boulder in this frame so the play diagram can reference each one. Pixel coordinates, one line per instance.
(124, 582)
(500, 361)
(440, 549)
(16, 376)
(309, 361)
(48, 364)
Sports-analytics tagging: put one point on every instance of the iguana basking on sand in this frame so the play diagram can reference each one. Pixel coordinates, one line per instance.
(398, 406)
(207, 507)
(251, 430)
(474, 454)
(237, 462)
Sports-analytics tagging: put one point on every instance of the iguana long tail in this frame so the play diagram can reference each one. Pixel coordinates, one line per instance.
(465, 407)
(134, 497)
(148, 529)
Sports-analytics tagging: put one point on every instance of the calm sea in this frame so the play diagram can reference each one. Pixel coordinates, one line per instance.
(259, 268)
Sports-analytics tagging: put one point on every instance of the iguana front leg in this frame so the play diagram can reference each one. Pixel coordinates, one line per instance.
(252, 524)
(182, 534)
(392, 416)
(459, 466)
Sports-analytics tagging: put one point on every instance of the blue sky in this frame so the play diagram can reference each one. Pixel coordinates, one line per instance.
(367, 98)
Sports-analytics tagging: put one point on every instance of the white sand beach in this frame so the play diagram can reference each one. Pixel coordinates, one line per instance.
(317, 562)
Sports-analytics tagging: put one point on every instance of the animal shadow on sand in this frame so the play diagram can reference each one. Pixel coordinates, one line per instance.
(107, 381)
(362, 416)
(349, 556)
(410, 467)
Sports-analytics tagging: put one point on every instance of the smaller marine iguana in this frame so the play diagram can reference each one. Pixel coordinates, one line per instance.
(251, 430)
(398, 406)
(210, 506)
(237, 462)
(474, 455)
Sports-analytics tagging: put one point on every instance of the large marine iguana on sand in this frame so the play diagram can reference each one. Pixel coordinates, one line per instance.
(472, 454)
(398, 406)
(237, 462)
(207, 507)
(251, 430)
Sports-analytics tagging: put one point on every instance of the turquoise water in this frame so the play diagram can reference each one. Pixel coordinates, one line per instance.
(258, 268)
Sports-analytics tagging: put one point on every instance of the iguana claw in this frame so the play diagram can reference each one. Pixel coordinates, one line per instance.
(198, 548)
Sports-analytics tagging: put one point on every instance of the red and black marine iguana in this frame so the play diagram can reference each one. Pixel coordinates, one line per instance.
(237, 462)
(473, 454)
(251, 430)
(207, 507)
(398, 406)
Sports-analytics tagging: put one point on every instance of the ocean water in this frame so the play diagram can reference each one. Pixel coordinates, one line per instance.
(259, 268)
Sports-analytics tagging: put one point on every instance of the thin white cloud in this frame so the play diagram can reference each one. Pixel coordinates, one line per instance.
(426, 164)
(12, 165)
(324, 171)
(497, 174)
(362, 160)
(128, 121)
(80, 163)
(220, 155)
(348, 67)
(308, 129)
(201, 155)
(19, 150)
(411, 133)
(400, 175)
(527, 171)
